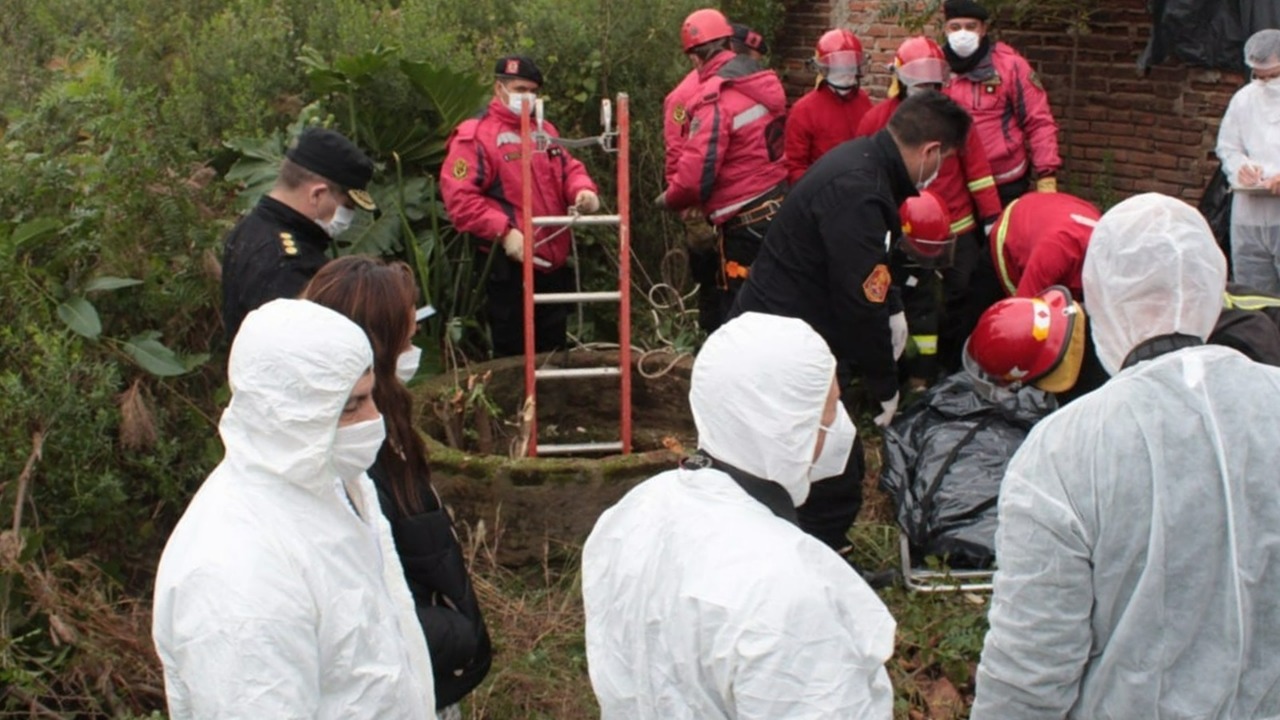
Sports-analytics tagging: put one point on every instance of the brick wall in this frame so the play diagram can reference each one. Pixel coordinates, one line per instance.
(1121, 133)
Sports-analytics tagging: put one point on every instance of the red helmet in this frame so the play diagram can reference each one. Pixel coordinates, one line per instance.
(926, 231)
(704, 26)
(920, 60)
(838, 50)
(1025, 341)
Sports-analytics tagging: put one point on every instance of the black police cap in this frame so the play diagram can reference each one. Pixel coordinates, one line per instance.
(333, 157)
(952, 9)
(518, 66)
(750, 38)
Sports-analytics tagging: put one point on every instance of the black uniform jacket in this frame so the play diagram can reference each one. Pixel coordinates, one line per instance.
(271, 253)
(825, 258)
(442, 592)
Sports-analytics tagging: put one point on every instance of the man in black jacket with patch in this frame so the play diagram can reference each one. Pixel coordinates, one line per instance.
(825, 260)
(275, 249)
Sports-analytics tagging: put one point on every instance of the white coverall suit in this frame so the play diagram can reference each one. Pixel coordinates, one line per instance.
(1250, 134)
(704, 604)
(274, 598)
(1139, 536)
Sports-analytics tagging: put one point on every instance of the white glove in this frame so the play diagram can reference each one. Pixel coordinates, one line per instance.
(890, 408)
(513, 244)
(661, 201)
(898, 332)
(986, 230)
(586, 201)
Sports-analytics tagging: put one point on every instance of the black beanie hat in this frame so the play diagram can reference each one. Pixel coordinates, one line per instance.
(518, 66)
(952, 9)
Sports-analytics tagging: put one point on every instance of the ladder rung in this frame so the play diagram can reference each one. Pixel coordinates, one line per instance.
(548, 220)
(574, 448)
(555, 373)
(571, 297)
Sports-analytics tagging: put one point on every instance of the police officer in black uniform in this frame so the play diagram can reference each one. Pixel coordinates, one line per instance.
(275, 249)
(825, 260)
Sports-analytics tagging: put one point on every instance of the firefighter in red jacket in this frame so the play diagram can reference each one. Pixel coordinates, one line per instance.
(730, 166)
(966, 185)
(675, 106)
(829, 115)
(481, 185)
(1003, 94)
(1040, 240)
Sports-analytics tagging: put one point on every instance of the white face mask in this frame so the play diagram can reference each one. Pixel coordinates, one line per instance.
(407, 363)
(340, 221)
(1270, 86)
(923, 182)
(514, 100)
(964, 42)
(836, 448)
(355, 447)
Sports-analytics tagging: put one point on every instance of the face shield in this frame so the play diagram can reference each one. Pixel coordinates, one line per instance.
(923, 70)
(929, 254)
(842, 69)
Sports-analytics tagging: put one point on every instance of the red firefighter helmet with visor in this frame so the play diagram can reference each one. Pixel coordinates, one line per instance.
(927, 239)
(1029, 341)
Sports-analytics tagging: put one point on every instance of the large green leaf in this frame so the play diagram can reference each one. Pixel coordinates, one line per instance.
(455, 96)
(366, 64)
(33, 230)
(153, 356)
(259, 161)
(345, 73)
(107, 282)
(80, 315)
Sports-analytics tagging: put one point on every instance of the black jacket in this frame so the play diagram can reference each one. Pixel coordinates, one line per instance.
(825, 260)
(1248, 323)
(271, 253)
(446, 602)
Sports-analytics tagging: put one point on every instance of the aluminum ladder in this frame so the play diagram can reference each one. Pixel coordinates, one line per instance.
(534, 139)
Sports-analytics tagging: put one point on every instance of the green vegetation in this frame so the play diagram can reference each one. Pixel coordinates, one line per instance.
(132, 133)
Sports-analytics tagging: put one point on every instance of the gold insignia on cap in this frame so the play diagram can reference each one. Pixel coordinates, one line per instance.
(459, 169)
(363, 199)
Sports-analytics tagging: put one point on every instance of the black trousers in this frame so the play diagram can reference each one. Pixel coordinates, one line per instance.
(715, 273)
(1014, 189)
(970, 286)
(704, 269)
(921, 304)
(504, 306)
(833, 504)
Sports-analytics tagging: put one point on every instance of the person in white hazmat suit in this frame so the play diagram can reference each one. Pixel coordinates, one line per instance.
(1249, 148)
(279, 594)
(703, 597)
(1138, 574)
